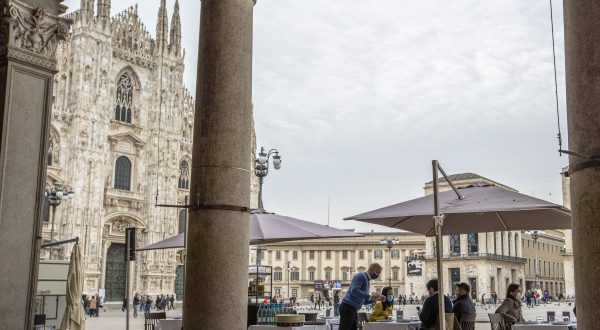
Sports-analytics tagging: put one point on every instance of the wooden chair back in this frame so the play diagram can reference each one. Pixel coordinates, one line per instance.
(496, 321)
(151, 319)
(467, 321)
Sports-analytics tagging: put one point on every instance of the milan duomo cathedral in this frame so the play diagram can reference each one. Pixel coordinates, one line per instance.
(121, 139)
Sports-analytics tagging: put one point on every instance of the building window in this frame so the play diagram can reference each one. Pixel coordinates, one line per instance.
(395, 274)
(473, 243)
(328, 273)
(295, 275)
(50, 160)
(509, 241)
(495, 243)
(311, 274)
(516, 244)
(184, 175)
(277, 255)
(124, 99)
(395, 254)
(295, 255)
(361, 255)
(277, 275)
(311, 255)
(181, 222)
(344, 255)
(454, 245)
(345, 272)
(378, 254)
(123, 173)
(328, 255)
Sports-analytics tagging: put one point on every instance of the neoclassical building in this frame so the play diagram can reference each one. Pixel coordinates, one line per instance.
(121, 137)
(487, 261)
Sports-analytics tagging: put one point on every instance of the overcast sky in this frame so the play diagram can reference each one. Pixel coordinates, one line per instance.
(359, 97)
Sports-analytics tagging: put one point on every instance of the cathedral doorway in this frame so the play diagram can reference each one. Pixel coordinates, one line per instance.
(179, 280)
(115, 273)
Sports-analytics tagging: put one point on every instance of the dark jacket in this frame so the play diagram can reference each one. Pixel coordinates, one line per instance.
(463, 305)
(429, 314)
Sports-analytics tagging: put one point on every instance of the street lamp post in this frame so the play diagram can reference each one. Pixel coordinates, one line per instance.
(389, 243)
(290, 270)
(55, 196)
(535, 234)
(261, 169)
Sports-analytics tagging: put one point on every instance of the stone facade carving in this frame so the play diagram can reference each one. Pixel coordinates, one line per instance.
(36, 32)
(32, 35)
(88, 138)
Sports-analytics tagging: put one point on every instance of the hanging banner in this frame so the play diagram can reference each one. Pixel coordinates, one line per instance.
(414, 268)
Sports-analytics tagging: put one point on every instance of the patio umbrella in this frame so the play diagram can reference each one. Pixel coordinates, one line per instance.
(484, 208)
(74, 318)
(476, 208)
(266, 227)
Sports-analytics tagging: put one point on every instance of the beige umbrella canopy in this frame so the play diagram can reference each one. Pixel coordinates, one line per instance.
(74, 318)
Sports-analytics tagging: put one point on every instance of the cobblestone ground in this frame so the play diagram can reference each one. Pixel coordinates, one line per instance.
(115, 319)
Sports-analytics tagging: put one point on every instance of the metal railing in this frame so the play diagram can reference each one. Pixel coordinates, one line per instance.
(476, 255)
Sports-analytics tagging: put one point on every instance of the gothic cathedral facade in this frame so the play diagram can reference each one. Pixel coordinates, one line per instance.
(121, 139)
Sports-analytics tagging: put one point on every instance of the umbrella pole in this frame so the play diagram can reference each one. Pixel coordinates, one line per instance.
(438, 224)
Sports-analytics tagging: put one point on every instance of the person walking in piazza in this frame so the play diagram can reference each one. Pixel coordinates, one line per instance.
(429, 313)
(336, 303)
(148, 304)
(93, 306)
(136, 303)
(172, 301)
(358, 294)
(463, 304)
(511, 306)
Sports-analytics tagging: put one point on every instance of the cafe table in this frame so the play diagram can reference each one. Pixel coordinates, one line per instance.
(274, 327)
(412, 325)
(543, 326)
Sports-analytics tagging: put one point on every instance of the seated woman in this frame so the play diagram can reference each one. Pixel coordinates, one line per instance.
(511, 306)
(383, 310)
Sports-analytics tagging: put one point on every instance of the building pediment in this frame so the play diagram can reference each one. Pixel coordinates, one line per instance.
(128, 137)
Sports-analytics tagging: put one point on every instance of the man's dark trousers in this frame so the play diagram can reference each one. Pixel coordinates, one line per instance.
(348, 317)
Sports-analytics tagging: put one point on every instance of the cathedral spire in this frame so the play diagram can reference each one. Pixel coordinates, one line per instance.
(104, 9)
(162, 26)
(87, 9)
(175, 41)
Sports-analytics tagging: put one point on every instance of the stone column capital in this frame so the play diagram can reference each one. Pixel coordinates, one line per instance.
(31, 35)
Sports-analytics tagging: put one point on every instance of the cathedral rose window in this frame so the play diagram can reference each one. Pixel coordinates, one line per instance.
(124, 99)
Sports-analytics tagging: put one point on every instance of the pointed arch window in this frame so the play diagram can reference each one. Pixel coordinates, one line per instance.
(182, 216)
(124, 99)
(184, 175)
(50, 156)
(123, 173)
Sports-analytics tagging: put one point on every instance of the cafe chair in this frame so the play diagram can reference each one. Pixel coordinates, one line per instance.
(467, 321)
(496, 321)
(151, 319)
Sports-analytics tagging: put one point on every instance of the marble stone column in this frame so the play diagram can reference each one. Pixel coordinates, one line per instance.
(582, 51)
(29, 33)
(217, 257)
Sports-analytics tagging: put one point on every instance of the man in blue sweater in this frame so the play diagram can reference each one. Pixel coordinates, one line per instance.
(358, 295)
